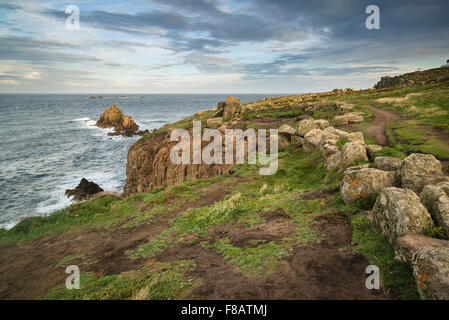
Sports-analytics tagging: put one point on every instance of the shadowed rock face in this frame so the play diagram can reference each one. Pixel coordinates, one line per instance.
(149, 165)
(113, 117)
(84, 190)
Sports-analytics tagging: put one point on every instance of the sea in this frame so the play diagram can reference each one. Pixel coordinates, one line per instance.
(49, 142)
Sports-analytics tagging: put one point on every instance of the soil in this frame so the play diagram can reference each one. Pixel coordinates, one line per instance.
(314, 271)
(377, 127)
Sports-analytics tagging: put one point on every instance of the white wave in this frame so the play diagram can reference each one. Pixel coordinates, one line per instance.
(81, 119)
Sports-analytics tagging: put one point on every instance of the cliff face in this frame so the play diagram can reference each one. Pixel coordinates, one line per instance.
(149, 165)
(418, 77)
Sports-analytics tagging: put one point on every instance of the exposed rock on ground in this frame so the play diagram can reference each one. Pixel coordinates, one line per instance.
(429, 259)
(231, 108)
(84, 190)
(398, 212)
(312, 139)
(352, 152)
(348, 118)
(305, 126)
(436, 200)
(364, 182)
(419, 170)
(287, 131)
(388, 163)
(214, 122)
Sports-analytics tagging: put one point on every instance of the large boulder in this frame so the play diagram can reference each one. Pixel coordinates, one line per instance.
(328, 144)
(398, 212)
(84, 190)
(312, 139)
(419, 170)
(363, 182)
(214, 122)
(352, 152)
(287, 131)
(348, 118)
(333, 161)
(355, 137)
(305, 126)
(436, 200)
(220, 109)
(388, 163)
(231, 108)
(345, 108)
(429, 259)
(113, 117)
(322, 124)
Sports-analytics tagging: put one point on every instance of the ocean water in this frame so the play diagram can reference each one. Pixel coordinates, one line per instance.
(49, 142)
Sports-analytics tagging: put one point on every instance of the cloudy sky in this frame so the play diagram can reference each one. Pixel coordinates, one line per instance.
(215, 46)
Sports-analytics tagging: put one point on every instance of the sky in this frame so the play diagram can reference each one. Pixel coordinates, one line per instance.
(215, 46)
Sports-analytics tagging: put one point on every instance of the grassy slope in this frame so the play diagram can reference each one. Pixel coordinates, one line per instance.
(299, 173)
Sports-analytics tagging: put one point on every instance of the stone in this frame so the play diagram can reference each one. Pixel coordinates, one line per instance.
(283, 141)
(305, 126)
(84, 190)
(328, 144)
(429, 259)
(352, 152)
(214, 122)
(356, 137)
(220, 109)
(398, 212)
(344, 108)
(362, 182)
(287, 131)
(436, 200)
(297, 140)
(322, 124)
(372, 149)
(419, 170)
(387, 163)
(348, 118)
(231, 108)
(312, 139)
(333, 161)
(342, 134)
(113, 117)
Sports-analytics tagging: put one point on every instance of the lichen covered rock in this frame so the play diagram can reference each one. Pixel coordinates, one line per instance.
(305, 126)
(388, 163)
(362, 182)
(429, 259)
(398, 212)
(312, 139)
(436, 200)
(419, 170)
(352, 152)
(348, 118)
(231, 108)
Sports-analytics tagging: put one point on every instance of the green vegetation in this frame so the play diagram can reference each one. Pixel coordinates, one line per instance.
(155, 281)
(395, 275)
(253, 261)
(409, 136)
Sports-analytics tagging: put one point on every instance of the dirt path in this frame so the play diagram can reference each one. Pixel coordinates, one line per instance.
(377, 127)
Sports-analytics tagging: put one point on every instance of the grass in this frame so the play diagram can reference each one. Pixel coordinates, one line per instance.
(409, 137)
(395, 275)
(254, 261)
(154, 281)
